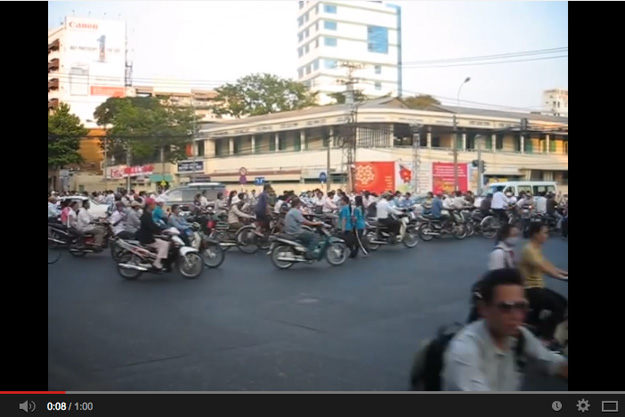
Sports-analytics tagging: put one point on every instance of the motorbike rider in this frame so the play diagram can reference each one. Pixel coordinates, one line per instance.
(552, 209)
(118, 221)
(85, 225)
(384, 211)
(485, 204)
(180, 223)
(263, 211)
(133, 218)
(53, 212)
(481, 356)
(498, 205)
(158, 214)
(236, 213)
(532, 266)
(436, 210)
(147, 230)
(293, 226)
(502, 256)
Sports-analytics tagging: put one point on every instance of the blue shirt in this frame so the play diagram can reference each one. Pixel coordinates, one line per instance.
(158, 215)
(345, 214)
(360, 219)
(437, 207)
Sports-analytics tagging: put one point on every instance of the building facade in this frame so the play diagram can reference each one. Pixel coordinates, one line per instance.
(86, 65)
(556, 102)
(292, 149)
(333, 34)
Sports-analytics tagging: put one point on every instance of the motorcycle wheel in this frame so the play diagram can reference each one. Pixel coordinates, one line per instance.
(460, 231)
(489, 227)
(76, 252)
(275, 253)
(411, 238)
(337, 254)
(470, 227)
(191, 265)
(247, 241)
(129, 274)
(213, 255)
(425, 232)
(370, 237)
(116, 251)
(222, 237)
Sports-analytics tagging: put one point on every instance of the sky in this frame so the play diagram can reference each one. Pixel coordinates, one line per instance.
(205, 44)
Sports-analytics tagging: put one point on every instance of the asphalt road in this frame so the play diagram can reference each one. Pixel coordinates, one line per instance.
(250, 327)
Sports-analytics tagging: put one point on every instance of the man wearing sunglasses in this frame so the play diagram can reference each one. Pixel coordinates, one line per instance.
(482, 356)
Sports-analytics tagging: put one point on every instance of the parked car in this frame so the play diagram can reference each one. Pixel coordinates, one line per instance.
(95, 209)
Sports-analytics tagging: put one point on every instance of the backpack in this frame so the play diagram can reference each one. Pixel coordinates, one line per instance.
(427, 368)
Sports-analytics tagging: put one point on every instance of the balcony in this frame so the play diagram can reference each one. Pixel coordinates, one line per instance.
(53, 104)
(54, 46)
(53, 65)
(53, 84)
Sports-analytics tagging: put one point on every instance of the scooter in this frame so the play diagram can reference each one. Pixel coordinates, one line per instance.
(377, 235)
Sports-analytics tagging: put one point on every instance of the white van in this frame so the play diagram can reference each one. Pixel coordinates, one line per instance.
(515, 187)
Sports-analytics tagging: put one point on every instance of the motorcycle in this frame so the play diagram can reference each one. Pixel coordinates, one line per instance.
(432, 227)
(285, 251)
(209, 248)
(79, 246)
(376, 234)
(138, 259)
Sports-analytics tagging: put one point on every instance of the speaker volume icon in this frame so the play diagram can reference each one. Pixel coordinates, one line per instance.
(28, 406)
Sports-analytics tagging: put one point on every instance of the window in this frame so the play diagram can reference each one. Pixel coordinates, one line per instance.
(317, 9)
(499, 142)
(316, 43)
(329, 41)
(329, 25)
(300, 21)
(378, 69)
(329, 8)
(300, 37)
(489, 142)
(301, 4)
(378, 85)
(300, 52)
(258, 144)
(306, 49)
(315, 65)
(308, 69)
(174, 196)
(552, 146)
(300, 72)
(272, 143)
(329, 63)
(200, 148)
(377, 39)
(236, 146)
(306, 33)
(306, 17)
(282, 142)
(317, 26)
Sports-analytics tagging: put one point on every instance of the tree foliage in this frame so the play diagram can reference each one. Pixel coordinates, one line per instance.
(258, 94)
(147, 126)
(339, 98)
(64, 134)
(421, 102)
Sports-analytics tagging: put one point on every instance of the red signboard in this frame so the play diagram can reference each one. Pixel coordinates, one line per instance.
(375, 177)
(443, 177)
(138, 170)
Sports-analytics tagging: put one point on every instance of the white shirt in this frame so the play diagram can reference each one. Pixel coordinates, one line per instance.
(500, 201)
(72, 219)
(384, 209)
(203, 201)
(459, 203)
(329, 206)
(447, 203)
(84, 219)
(512, 200)
(276, 208)
(116, 217)
(501, 257)
(52, 210)
(541, 205)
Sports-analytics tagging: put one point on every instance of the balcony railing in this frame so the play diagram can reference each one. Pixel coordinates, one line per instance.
(53, 84)
(54, 46)
(53, 104)
(53, 65)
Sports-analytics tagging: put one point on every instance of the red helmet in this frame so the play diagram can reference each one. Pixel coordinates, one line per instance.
(149, 201)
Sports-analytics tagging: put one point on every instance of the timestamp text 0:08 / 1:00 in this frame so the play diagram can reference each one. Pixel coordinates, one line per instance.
(63, 406)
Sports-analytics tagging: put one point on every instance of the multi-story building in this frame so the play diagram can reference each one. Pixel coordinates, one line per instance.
(333, 34)
(201, 101)
(86, 65)
(292, 149)
(556, 102)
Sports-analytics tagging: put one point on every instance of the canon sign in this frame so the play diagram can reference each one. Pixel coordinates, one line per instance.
(84, 26)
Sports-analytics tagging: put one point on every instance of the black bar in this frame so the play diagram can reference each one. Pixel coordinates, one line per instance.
(438, 404)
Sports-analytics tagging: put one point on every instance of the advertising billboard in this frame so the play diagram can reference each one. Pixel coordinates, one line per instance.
(375, 177)
(443, 177)
(94, 62)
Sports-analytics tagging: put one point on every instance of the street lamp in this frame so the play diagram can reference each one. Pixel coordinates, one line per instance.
(455, 144)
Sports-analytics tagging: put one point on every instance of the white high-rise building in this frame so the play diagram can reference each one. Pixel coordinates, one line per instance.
(556, 102)
(365, 33)
(86, 64)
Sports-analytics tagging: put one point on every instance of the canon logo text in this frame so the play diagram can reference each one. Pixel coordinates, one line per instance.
(88, 26)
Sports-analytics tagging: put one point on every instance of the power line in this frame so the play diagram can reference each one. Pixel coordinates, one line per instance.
(490, 57)
(486, 63)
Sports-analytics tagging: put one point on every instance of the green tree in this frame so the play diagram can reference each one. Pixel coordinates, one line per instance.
(339, 98)
(147, 126)
(421, 102)
(64, 134)
(258, 94)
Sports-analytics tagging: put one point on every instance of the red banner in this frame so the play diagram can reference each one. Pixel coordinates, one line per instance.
(443, 177)
(375, 177)
(138, 170)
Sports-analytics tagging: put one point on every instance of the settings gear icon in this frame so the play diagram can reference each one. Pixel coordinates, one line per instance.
(583, 405)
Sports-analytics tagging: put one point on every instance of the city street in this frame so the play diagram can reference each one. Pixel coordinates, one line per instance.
(248, 326)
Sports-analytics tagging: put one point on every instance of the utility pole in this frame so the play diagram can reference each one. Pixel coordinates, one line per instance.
(128, 160)
(455, 151)
(416, 162)
(193, 173)
(480, 178)
(328, 175)
(350, 139)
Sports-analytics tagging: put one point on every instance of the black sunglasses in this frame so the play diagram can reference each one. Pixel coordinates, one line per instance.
(508, 306)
